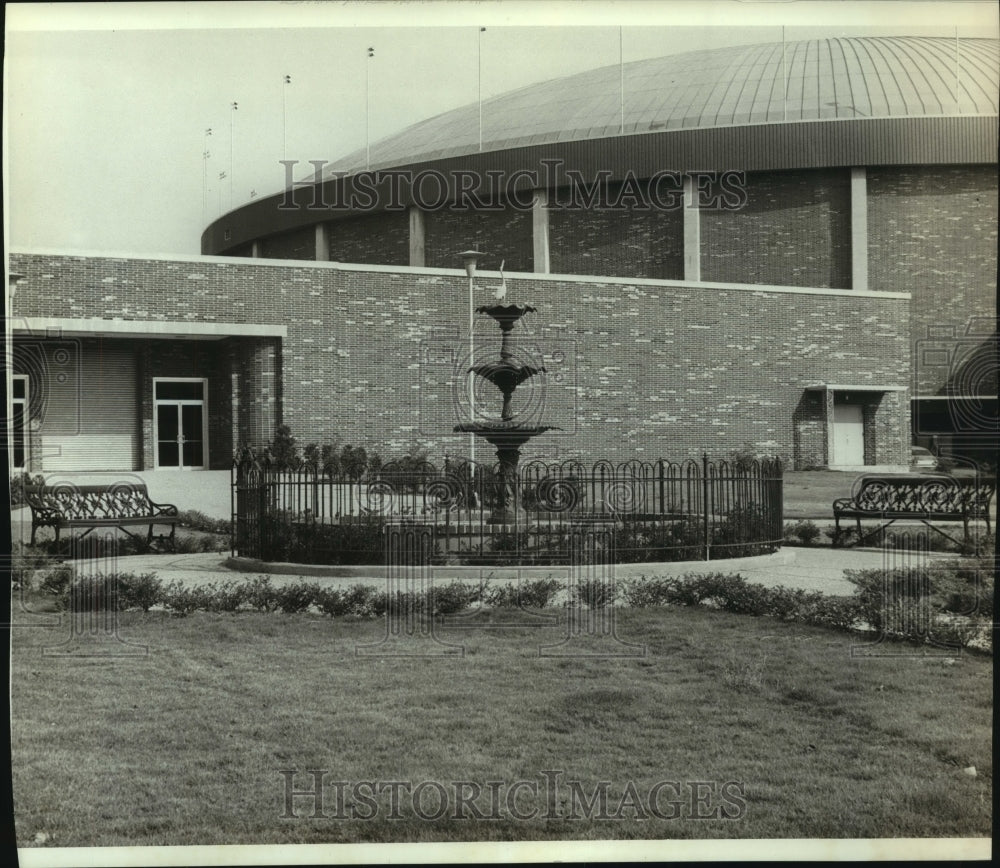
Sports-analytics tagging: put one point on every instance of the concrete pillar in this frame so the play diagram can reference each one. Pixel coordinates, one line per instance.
(255, 249)
(322, 242)
(859, 228)
(692, 231)
(540, 231)
(417, 238)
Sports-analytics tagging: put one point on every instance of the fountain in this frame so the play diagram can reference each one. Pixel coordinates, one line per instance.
(507, 436)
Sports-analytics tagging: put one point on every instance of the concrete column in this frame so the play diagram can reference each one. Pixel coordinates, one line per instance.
(322, 242)
(540, 231)
(255, 249)
(692, 231)
(417, 238)
(859, 228)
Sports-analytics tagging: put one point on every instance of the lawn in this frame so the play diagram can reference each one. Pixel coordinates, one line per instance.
(773, 724)
(811, 493)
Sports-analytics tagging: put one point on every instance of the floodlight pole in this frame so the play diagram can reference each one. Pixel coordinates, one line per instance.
(469, 258)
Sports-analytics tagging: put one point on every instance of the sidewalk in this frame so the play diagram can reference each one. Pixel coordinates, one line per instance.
(811, 569)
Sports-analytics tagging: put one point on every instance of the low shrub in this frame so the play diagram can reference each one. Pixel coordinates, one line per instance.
(182, 600)
(743, 533)
(56, 582)
(141, 591)
(642, 593)
(228, 597)
(332, 601)
(262, 595)
(674, 541)
(733, 593)
(25, 562)
(451, 598)
(533, 595)
(296, 597)
(805, 532)
(596, 593)
(195, 520)
(359, 601)
(925, 603)
(309, 542)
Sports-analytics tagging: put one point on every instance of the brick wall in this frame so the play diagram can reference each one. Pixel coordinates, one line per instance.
(793, 231)
(626, 242)
(933, 233)
(635, 370)
(377, 239)
(298, 244)
(501, 235)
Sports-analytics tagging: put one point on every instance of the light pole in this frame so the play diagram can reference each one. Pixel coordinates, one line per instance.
(469, 258)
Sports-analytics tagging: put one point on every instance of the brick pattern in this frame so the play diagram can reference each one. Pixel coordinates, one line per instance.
(375, 239)
(933, 233)
(297, 244)
(501, 235)
(794, 230)
(635, 371)
(625, 242)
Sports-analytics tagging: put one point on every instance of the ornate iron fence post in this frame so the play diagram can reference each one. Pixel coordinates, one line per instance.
(704, 506)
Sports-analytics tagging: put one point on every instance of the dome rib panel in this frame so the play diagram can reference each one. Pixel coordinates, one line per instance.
(842, 78)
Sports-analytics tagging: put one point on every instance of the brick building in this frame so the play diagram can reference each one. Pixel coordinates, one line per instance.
(787, 245)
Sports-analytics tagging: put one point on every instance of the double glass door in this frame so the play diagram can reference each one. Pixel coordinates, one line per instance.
(181, 423)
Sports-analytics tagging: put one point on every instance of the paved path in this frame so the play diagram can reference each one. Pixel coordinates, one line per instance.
(813, 569)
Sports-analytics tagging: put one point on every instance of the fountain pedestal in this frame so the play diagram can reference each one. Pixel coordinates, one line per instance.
(506, 436)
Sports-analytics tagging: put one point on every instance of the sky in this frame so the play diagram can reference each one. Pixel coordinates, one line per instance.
(106, 106)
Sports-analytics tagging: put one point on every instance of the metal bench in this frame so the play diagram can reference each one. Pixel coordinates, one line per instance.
(119, 505)
(923, 497)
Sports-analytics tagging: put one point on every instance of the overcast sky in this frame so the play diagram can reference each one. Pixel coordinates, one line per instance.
(106, 107)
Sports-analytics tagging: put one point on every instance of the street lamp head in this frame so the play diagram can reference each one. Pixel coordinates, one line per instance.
(469, 258)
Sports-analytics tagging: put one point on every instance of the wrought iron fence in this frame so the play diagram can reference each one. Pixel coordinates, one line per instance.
(659, 511)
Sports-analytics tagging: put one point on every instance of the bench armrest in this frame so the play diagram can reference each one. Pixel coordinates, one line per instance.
(163, 508)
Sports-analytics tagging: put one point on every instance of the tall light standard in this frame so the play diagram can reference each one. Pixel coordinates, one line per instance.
(469, 258)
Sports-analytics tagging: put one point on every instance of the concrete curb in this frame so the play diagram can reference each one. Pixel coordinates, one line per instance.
(249, 565)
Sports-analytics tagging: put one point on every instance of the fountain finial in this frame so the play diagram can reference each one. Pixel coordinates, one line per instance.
(501, 293)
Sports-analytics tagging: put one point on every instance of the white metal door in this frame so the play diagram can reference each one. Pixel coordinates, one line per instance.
(848, 435)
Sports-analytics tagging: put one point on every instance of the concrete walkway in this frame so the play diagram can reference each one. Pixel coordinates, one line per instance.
(812, 569)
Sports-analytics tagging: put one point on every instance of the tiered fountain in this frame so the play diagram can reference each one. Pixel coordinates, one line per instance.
(506, 435)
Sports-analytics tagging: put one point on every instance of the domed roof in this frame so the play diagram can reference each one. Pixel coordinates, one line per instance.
(827, 79)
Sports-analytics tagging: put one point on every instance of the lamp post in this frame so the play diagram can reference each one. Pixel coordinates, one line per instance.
(469, 258)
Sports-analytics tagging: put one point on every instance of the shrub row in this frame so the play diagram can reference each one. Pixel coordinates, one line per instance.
(288, 538)
(732, 593)
(128, 591)
(949, 603)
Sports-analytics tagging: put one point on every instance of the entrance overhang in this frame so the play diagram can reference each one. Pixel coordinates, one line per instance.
(53, 326)
(829, 394)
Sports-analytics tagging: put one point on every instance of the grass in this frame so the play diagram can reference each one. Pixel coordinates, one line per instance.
(185, 744)
(811, 493)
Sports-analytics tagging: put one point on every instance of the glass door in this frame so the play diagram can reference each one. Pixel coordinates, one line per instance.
(19, 422)
(181, 423)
